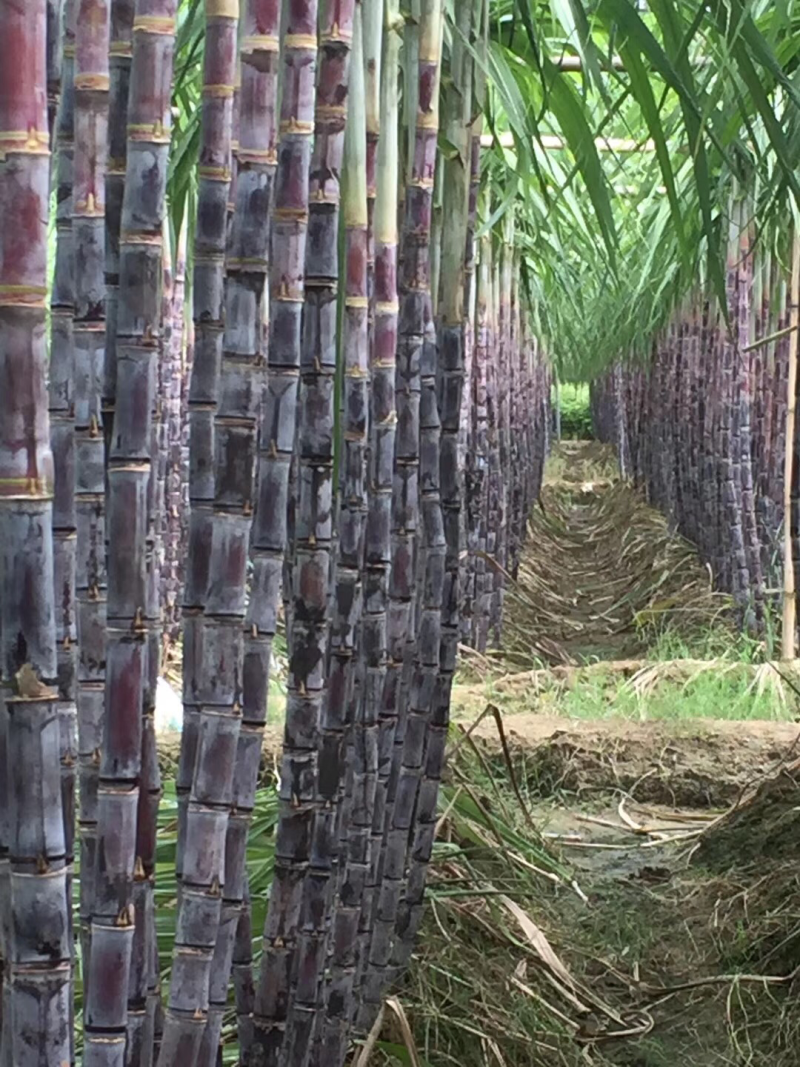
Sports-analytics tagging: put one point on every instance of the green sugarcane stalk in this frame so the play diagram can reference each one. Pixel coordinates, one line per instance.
(89, 329)
(36, 948)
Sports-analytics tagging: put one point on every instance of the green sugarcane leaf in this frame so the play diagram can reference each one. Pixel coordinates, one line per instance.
(786, 159)
(670, 21)
(644, 94)
(762, 53)
(571, 118)
(572, 16)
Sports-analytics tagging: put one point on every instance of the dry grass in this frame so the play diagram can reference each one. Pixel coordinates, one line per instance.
(694, 960)
(602, 576)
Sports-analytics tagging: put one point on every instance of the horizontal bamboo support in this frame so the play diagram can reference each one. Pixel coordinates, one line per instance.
(554, 143)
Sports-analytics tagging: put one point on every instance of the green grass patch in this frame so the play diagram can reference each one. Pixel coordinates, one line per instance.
(719, 691)
(576, 415)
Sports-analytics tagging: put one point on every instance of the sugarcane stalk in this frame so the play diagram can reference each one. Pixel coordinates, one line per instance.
(248, 265)
(482, 430)
(55, 59)
(495, 476)
(400, 631)
(242, 382)
(37, 971)
(428, 752)
(418, 342)
(287, 291)
(119, 62)
(226, 363)
(175, 527)
(788, 635)
(244, 988)
(343, 694)
(373, 19)
(125, 840)
(744, 315)
(318, 699)
(467, 456)
(208, 299)
(91, 147)
(388, 547)
(62, 443)
(235, 431)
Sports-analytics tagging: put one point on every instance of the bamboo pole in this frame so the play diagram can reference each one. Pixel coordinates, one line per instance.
(552, 141)
(789, 591)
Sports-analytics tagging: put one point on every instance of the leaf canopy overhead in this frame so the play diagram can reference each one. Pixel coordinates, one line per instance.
(619, 134)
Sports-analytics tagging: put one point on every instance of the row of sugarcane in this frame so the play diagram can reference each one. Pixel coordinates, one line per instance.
(328, 433)
(506, 438)
(702, 424)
